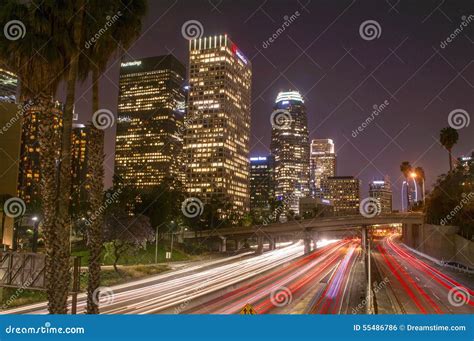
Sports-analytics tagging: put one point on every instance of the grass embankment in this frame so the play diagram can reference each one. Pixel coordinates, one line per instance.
(17, 297)
(142, 256)
(132, 266)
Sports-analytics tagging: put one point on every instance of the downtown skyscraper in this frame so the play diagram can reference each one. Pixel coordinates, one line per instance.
(322, 163)
(8, 86)
(262, 189)
(343, 192)
(216, 141)
(290, 148)
(150, 120)
(381, 191)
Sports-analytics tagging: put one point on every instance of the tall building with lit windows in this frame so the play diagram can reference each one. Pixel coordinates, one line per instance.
(216, 141)
(322, 163)
(290, 148)
(261, 184)
(29, 177)
(343, 192)
(8, 86)
(79, 168)
(148, 144)
(381, 190)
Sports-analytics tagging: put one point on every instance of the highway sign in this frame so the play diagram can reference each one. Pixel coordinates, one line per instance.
(248, 310)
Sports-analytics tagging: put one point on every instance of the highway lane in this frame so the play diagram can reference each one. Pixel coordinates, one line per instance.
(280, 290)
(330, 298)
(418, 286)
(178, 288)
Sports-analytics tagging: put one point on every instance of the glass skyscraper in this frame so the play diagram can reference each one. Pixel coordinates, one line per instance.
(261, 184)
(150, 118)
(8, 86)
(381, 190)
(290, 148)
(322, 163)
(217, 136)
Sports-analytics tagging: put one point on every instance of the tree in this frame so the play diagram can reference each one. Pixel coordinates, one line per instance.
(451, 202)
(162, 203)
(406, 169)
(39, 59)
(126, 233)
(94, 60)
(448, 137)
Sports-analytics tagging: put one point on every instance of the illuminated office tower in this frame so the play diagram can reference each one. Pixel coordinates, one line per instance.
(216, 141)
(467, 162)
(322, 163)
(343, 191)
(290, 148)
(8, 86)
(381, 190)
(30, 168)
(261, 184)
(79, 163)
(148, 143)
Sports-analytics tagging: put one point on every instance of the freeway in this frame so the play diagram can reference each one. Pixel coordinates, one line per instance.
(179, 288)
(280, 290)
(329, 280)
(416, 286)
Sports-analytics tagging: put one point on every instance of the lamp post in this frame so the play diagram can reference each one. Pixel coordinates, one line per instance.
(414, 176)
(34, 244)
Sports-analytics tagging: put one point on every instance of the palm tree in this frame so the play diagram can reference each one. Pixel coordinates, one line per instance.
(406, 169)
(94, 60)
(448, 137)
(39, 60)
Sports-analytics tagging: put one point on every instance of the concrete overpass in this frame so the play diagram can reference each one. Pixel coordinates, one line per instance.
(308, 229)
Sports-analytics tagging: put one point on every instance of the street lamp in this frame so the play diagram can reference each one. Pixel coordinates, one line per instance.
(414, 175)
(34, 246)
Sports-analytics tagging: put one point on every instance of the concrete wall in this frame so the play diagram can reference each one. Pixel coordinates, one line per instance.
(465, 248)
(440, 242)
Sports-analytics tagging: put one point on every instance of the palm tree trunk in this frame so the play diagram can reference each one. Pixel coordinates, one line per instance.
(95, 185)
(49, 142)
(63, 224)
(450, 160)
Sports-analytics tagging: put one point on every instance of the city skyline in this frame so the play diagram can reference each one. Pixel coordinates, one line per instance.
(331, 113)
(280, 157)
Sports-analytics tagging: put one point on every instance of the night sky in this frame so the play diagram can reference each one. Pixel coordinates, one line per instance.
(340, 75)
